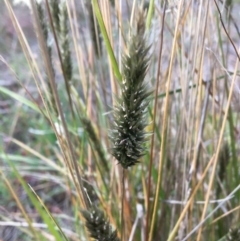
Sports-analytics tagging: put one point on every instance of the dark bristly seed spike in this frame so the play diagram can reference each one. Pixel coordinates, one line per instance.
(65, 44)
(233, 235)
(97, 225)
(56, 13)
(130, 110)
(44, 27)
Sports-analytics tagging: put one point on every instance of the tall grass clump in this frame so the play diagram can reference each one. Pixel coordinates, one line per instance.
(119, 121)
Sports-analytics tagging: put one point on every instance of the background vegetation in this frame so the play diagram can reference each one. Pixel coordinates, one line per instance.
(64, 65)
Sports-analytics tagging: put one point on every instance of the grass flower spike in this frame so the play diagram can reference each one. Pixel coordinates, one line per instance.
(128, 134)
(233, 235)
(98, 227)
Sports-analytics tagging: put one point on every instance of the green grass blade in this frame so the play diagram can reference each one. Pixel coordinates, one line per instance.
(51, 226)
(20, 98)
(150, 14)
(49, 214)
(106, 39)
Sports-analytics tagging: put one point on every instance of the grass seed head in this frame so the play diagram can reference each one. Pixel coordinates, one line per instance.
(128, 134)
(97, 225)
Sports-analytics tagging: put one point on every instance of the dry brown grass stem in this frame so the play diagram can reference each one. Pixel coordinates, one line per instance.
(67, 85)
(20, 206)
(200, 115)
(218, 148)
(188, 204)
(78, 48)
(164, 125)
(29, 57)
(62, 142)
(154, 122)
(225, 215)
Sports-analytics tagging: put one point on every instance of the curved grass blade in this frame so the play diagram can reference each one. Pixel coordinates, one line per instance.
(106, 39)
(20, 98)
(49, 222)
(48, 213)
(150, 14)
